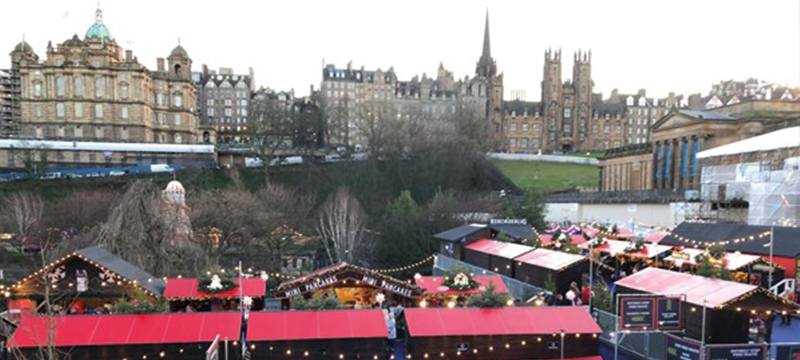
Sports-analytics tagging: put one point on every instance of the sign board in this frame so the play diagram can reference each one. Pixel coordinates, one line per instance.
(682, 349)
(637, 313)
(748, 172)
(736, 352)
(273, 305)
(462, 347)
(668, 313)
(508, 222)
(553, 346)
(213, 350)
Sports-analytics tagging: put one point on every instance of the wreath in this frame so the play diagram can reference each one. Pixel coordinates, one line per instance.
(460, 281)
(635, 246)
(216, 282)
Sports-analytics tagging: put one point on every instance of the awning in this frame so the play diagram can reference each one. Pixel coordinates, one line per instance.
(733, 261)
(433, 285)
(502, 321)
(316, 325)
(99, 330)
(499, 249)
(549, 259)
(696, 288)
(188, 289)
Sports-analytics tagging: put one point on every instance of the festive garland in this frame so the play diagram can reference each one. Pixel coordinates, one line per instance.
(216, 282)
(460, 281)
(635, 246)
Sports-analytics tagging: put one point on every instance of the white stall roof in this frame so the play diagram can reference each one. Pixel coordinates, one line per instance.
(784, 138)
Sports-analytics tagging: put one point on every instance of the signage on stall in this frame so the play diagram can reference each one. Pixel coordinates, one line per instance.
(668, 313)
(508, 222)
(462, 347)
(637, 313)
(736, 352)
(396, 288)
(321, 283)
(682, 349)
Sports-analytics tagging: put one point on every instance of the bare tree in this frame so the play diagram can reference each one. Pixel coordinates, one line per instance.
(336, 116)
(341, 225)
(380, 125)
(271, 129)
(26, 212)
(472, 128)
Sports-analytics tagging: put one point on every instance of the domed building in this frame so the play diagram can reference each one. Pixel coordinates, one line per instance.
(176, 213)
(90, 89)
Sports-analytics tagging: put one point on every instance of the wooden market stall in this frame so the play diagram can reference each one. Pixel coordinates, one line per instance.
(729, 305)
(186, 295)
(437, 294)
(353, 286)
(502, 333)
(494, 256)
(744, 268)
(627, 256)
(142, 336)
(89, 280)
(537, 266)
(330, 334)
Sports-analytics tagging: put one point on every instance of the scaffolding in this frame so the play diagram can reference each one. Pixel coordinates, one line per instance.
(10, 110)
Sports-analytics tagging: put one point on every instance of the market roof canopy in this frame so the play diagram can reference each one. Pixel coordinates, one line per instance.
(617, 247)
(500, 321)
(781, 139)
(733, 261)
(549, 259)
(499, 249)
(460, 232)
(700, 234)
(316, 325)
(100, 330)
(698, 289)
(188, 288)
(516, 230)
(434, 285)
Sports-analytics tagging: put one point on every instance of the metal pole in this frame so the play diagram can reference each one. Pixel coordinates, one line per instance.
(616, 327)
(703, 331)
(562, 344)
(241, 291)
(771, 246)
(591, 273)
(226, 348)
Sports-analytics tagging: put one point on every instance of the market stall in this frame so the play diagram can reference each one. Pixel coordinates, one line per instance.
(191, 294)
(89, 280)
(353, 286)
(729, 306)
(537, 266)
(502, 334)
(143, 336)
(626, 257)
(442, 291)
(744, 268)
(331, 334)
(494, 256)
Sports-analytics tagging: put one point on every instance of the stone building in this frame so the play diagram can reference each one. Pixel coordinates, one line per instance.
(224, 103)
(88, 90)
(627, 168)
(567, 106)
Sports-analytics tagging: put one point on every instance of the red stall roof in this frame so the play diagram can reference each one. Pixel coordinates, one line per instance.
(617, 247)
(696, 288)
(549, 259)
(98, 330)
(501, 321)
(433, 285)
(499, 249)
(187, 288)
(733, 261)
(655, 237)
(316, 325)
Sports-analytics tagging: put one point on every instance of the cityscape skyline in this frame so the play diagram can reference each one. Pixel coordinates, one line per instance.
(624, 61)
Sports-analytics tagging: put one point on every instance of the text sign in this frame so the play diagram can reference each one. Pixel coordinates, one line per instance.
(680, 349)
(668, 310)
(736, 352)
(637, 313)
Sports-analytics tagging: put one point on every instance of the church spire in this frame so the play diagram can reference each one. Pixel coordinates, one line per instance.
(486, 65)
(487, 49)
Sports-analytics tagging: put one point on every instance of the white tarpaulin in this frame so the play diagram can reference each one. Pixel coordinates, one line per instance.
(785, 138)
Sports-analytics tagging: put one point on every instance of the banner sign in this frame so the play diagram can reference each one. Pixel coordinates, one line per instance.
(668, 313)
(736, 352)
(682, 349)
(637, 313)
(213, 350)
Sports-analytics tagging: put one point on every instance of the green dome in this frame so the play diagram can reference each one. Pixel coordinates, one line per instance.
(179, 51)
(23, 47)
(98, 30)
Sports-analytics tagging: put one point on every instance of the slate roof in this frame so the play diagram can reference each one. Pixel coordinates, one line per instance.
(786, 238)
(520, 106)
(123, 268)
(516, 231)
(457, 233)
(707, 115)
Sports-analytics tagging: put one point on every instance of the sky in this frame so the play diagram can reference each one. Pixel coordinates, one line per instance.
(682, 46)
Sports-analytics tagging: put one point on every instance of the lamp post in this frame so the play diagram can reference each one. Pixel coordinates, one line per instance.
(771, 251)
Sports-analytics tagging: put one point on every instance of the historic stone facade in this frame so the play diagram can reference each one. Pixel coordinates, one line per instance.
(224, 103)
(567, 106)
(627, 168)
(87, 90)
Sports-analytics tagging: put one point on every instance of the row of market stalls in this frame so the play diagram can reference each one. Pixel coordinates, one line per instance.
(504, 333)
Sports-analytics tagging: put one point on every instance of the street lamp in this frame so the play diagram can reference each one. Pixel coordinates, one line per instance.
(771, 248)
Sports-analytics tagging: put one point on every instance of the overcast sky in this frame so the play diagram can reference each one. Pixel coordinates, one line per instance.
(670, 45)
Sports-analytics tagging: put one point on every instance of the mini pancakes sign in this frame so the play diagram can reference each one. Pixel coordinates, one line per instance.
(346, 275)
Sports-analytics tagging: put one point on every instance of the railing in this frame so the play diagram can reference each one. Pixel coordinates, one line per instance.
(546, 158)
(641, 345)
(516, 288)
(784, 287)
(659, 196)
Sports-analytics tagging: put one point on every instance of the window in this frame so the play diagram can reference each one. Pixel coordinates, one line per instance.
(629, 101)
(78, 133)
(243, 112)
(123, 91)
(227, 102)
(76, 156)
(537, 127)
(61, 90)
(607, 129)
(159, 99)
(98, 132)
(91, 157)
(513, 113)
(124, 133)
(618, 129)
(178, 138)
(523, 143)
(78, 84)
(60, 110)
(210, 112)
(177, 119)
(98, 87)
(38, 131)
(243, 102)
(60, 133)
(177, 100)
(525, 126)
(124, 112)
(228, 112)
(513, 127)
(37, 74)
(37, 89)
(37, 110)
(210, 102)
(98, 111)
(512, 143)
(78, 110)
(567, 113)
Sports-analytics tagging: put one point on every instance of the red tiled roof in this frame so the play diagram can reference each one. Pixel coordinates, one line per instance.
(99, 330)
(187, 288)
(316, 325)
(499, 249)
(501, 321)
(433, 285)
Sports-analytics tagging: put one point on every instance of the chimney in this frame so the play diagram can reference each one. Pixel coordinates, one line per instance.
(642, 92)
(160, 62)
(128, 55)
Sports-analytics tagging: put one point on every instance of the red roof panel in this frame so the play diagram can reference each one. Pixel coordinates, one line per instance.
(187, 288)
(433, 285)
(97, 330)
(501, 321)
(698, 290)
(549, 259)
(315, 325)
(499, 249)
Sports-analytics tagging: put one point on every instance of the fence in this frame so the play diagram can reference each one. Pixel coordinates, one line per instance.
(516, 288)
(641, 345)
(546, 158)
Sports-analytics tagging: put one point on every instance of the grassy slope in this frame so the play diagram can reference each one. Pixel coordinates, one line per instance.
(548, 177)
